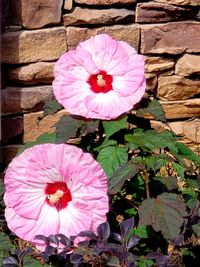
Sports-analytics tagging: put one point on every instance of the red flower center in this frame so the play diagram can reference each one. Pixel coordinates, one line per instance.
(100, 82)
(58, 195)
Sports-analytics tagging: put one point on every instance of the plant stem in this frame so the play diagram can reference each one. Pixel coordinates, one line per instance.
(146, 181)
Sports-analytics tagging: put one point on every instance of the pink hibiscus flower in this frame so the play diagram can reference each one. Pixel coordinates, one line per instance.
(101, 79)
(52, 189)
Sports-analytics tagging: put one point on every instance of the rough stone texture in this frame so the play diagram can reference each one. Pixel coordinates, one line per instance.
(11, 127)
(151, 83)
(104, 2)
(68, 4)
(130, 34)
(9, 152)
(20, 100)
(156, 12)
(189, 131)
(35, 14)
(170, 38)
(98, 16)
(35, 73)
(158, 64)
(35, 124)
(181, 109)
(32, 46)
(188, 65)
(177, 88)
(180, 2)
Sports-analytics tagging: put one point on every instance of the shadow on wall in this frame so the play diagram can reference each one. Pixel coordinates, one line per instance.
(7, 59)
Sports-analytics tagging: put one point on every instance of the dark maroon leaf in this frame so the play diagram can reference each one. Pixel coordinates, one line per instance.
(103, 230)
(76, 258)
(42, 237)
(116, 236)
(10, 262)
(89, 234)
(53, 239)
(64, 240)
(165, 213)
(49, 250)
(126, 226)
(132, 242)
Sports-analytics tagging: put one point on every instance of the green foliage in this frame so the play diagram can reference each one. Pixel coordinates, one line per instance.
(69, 127)
(112, 127)
(154, 108)
(111, 157)
(51, 106)
(42, 139)
(165, 213)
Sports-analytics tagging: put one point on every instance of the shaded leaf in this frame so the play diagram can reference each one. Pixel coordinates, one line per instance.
(66, 128)
(113, 261)
(49, 250)
(114, 126)
(165, 214)
(103, 231)
(42, 237)
(111, 157)
(10, 262)
(89, 234)
(187, 153)
(126, 227)
(123, 173)
(169, 181)
(53, 239)
(196, 229)
(154, 108)
(42, 139)
(132, 242)
(76, 258)
(64, 240)
(179, 169)
(51, 106)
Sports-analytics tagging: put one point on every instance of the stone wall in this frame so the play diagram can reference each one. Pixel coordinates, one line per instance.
(166, 32)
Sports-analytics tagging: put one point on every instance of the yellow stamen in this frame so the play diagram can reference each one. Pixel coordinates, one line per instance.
(100, 81)
(53, 198)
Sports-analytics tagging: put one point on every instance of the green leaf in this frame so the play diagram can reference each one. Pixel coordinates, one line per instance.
(165, 214)
(187, 153)
(51, 106)
(114, 126)
(179, 169)
(196, 229)
(111, 157)
(155, 162)
(151, 140)
(30, 262)
(123, 173)
(154, 108)
(66, 128)
(170, 182)
(42, 139)
(143, 231)
(113, 261)
(5, 244)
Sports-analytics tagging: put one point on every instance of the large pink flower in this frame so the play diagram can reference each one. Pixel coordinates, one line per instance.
(101, 79)
(53, 189)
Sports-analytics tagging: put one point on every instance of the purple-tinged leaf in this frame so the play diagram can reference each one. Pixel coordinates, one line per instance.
(162, 261)
(103, 231)
(28, 251)
(126, 227)
(84, 243)
(178, 240)
(49, 250)
(113, 261)
(165, 213)
(88, 234)
(10, 262)
(76, 258)
(42, 237)
(115, 236)
(53, 239)
(132, 242)
(64, 240)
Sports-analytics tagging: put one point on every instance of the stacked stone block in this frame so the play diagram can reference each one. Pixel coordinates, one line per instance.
(38, 32)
